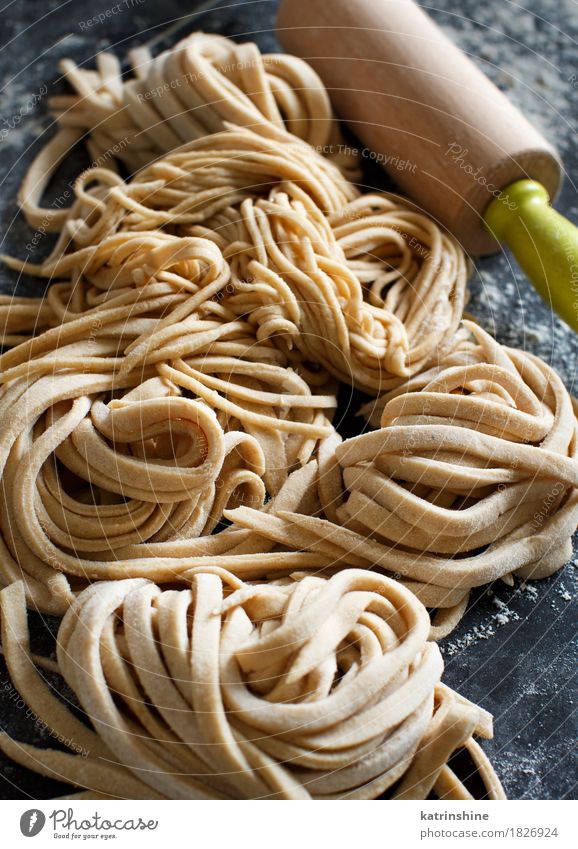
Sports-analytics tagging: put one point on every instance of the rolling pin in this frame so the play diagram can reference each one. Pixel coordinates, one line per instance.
(448, 137)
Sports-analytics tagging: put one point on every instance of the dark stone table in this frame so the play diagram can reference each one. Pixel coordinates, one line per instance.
(515, 651)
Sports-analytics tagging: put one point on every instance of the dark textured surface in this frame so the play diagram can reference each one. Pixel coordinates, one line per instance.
(515, 651)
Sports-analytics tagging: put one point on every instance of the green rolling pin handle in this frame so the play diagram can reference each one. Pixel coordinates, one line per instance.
(544, 243)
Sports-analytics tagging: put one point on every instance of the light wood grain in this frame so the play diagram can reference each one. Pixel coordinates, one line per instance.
(448, 135)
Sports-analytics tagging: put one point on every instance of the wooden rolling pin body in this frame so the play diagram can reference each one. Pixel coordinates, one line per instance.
(450, 139)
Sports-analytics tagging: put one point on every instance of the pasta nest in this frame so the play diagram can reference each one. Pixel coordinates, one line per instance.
(362, 286)
(472, 476)
(474, 469)
(291, 689)
(110, 470)
(189, 91)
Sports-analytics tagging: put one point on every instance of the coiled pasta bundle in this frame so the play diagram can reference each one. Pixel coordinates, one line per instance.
(292, 689)
(479, 465)
(189, 91)
(278, 214)
(473, 476)
(85, 481)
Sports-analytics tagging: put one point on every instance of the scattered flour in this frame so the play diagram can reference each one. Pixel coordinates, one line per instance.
(503, 616)
(529, 591)
(526, 56)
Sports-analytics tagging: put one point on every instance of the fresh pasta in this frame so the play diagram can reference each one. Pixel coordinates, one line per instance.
(225, 275)
(295, 689)
(479, 464)
(187, 92)
(245, 595)
(471, 477)
(292, 236)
